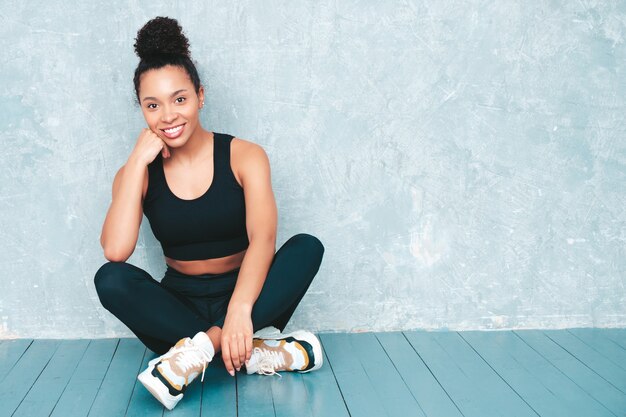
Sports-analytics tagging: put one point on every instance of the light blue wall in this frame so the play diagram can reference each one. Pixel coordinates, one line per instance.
(463, 162)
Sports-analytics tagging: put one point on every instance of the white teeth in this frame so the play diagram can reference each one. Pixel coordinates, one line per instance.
(174, 130)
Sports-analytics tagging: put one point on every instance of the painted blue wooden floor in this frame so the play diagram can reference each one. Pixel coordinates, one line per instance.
(573, 372)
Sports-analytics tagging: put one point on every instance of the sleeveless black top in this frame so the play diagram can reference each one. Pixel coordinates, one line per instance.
(210, 226)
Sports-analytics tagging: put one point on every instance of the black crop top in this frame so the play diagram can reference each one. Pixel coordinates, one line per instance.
(210, 226)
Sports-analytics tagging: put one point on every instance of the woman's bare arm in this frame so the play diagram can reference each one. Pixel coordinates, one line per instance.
(121, 225)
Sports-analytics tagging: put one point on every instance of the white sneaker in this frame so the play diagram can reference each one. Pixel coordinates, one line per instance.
(268, 331)
(168, 376)
(299, 351)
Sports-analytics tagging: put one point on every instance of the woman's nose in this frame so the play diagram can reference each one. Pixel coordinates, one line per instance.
(168, 115)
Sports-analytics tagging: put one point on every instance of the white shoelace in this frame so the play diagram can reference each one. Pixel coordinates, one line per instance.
(193, 355)
(269, 361)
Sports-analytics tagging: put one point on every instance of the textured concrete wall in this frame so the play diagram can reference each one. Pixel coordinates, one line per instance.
(463, 162)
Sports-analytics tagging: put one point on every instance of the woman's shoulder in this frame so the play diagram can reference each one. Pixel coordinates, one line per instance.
(241, 143)
(247, 158)
(245, 148)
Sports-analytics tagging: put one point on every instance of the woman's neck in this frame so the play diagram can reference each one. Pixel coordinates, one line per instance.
(196, 147)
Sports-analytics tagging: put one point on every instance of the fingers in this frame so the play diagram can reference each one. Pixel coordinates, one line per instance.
(226, 356)
(234, 349)
(242, 351)
(248, 348)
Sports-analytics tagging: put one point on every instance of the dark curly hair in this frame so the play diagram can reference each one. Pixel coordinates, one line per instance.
(161, 42)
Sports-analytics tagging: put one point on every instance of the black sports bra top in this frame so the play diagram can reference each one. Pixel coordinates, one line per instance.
(210, 226)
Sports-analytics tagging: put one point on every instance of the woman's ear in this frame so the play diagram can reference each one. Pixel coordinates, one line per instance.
(201, 96)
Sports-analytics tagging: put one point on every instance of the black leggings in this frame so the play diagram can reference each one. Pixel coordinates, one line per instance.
(181, 305)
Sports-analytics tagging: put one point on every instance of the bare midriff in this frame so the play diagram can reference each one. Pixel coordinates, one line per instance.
(207, 266)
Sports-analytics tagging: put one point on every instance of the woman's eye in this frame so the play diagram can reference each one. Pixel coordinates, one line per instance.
(180, 98)
(151, 104)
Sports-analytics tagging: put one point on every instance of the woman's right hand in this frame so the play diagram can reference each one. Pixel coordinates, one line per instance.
(148, 145)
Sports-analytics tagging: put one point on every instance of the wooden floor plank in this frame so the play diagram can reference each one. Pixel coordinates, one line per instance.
(568, 372)
(47, 389)
(114, 393)
(354, 383)
(501, 395)
(290, 395)
(597, 340)
(10, 353)
(142, 403)
(543, 387)
(432, 398)
(460, 387)
(83, 386)
(323, 392)
(596, 386)
(395, 396)
(616, 335)
(19, 380)
(254, 395)
(590, 357)
(472, 384)
(219, 391)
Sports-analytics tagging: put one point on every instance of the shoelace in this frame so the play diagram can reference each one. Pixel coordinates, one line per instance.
(192, 356)
(269, 361)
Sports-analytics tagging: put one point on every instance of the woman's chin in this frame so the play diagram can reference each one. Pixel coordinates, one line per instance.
(176, 142)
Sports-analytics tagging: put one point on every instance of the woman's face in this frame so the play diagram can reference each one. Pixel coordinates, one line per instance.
(168, 100)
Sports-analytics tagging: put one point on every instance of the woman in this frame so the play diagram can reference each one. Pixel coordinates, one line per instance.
(209, 200)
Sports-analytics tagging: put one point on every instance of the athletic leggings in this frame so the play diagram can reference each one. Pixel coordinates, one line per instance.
(181, 305)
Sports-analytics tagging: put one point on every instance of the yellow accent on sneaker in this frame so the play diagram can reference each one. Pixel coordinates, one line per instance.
(274, 352)
(172, 383)
(179, 367)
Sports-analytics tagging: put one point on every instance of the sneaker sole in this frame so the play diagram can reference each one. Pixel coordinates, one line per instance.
(157, 389)
(314, 342)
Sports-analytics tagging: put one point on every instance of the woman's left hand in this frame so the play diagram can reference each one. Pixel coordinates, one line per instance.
(236, 340)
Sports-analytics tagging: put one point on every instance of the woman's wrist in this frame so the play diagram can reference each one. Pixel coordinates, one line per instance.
(243, 306)
(135, 162)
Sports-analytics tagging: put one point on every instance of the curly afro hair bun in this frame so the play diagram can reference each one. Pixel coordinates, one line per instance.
(161, 35)
(161, 42)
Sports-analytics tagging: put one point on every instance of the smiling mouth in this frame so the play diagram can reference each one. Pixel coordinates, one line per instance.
(172, 130)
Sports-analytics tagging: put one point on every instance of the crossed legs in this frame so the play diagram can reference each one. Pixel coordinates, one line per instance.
(159, 317)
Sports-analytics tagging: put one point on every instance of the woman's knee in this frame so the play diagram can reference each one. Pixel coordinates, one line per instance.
(111, 280)
(310, 243)
(307, 250)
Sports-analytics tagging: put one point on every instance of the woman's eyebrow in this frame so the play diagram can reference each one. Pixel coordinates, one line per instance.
(171, 95)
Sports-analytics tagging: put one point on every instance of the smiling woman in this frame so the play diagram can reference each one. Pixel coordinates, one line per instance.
(209, 200)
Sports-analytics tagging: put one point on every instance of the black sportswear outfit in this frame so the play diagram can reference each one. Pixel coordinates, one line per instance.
(210, 226)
